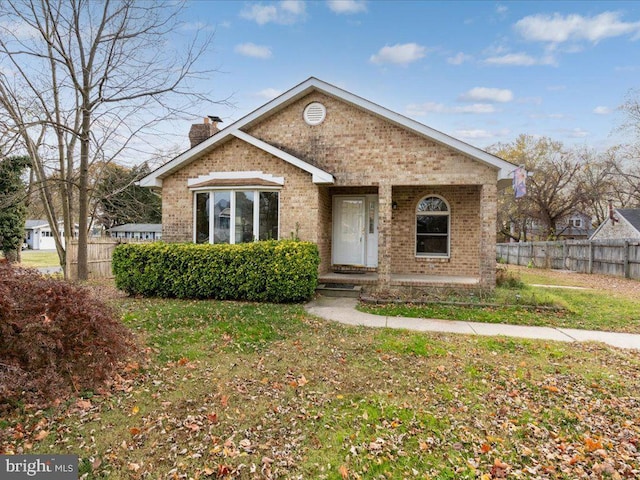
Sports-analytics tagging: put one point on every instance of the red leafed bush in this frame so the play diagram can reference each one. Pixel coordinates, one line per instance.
(56, 338)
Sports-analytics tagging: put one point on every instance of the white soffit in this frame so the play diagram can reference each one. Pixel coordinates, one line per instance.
(234, 176)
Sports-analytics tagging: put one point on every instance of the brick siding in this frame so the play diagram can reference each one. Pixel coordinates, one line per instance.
(367, 155)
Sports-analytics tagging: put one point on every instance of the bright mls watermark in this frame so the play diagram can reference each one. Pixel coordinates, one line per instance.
(50, 467)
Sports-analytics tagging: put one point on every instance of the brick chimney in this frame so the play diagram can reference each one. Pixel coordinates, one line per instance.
(201, 131)
(612, 214)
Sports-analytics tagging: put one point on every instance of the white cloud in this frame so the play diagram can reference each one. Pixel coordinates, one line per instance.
(480, 134)
(557, 28)
(520, 59)
(484, 94)
(269, 93)
(601, 110)
(422, 109)
(459, 58)
(577, 133)
(501, 9)
(286, 12)
(347, 6)
(296, 7)
(399, 54)
(253, 50)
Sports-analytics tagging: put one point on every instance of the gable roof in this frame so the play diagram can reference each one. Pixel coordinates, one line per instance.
(236, 130)
(137, 227)
(631, 215)
(31, 224)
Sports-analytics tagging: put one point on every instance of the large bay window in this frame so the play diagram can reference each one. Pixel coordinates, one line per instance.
(237, 216)
(432, 227)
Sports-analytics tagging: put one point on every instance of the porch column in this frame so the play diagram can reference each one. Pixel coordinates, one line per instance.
(385, 212)
(488, 218)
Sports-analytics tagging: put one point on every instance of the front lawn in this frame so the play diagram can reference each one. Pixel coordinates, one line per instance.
(243, 390)
(39, 258)
(590, 306)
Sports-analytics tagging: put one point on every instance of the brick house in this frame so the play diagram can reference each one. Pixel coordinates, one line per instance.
(391, 203)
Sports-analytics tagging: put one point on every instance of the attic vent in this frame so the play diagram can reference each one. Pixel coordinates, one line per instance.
(314, 113)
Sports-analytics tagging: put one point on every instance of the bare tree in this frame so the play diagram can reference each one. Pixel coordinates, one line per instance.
(631, 110)
(553, 189)
(80, 82)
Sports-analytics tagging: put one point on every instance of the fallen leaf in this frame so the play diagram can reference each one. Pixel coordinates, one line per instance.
(135, 410)
(485, 448)
(592, 445)
(134, 431)
(344, 472)
(83, 404)
(41, 435)
(134, 467)
(212, 417)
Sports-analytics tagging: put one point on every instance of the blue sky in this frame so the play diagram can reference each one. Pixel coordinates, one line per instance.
(483, 72)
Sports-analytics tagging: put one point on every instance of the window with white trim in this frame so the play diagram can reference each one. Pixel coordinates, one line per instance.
(575, 222)
(236, 216)
(432, 227)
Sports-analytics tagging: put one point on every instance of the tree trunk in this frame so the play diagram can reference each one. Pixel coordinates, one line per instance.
(83, 195)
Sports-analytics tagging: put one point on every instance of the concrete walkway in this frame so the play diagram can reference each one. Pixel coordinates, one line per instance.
(343, 310)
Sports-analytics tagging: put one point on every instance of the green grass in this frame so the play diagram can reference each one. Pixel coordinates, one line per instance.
(37, 258)
(584, 309)
(244, 390)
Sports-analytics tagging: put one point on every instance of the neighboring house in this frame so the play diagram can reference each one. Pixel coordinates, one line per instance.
(576, 226)
(137, 231)
(376, 191)
(38, 235)
(622, 223)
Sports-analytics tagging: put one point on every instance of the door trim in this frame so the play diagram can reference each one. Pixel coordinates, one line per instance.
(369, 242)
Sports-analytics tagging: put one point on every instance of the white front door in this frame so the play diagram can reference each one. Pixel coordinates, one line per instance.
(355, 229)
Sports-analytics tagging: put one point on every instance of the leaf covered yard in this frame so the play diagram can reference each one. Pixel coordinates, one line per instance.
(240, 390)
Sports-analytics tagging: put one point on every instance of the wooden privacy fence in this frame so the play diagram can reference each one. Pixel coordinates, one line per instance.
(610, 257)
(99, 253)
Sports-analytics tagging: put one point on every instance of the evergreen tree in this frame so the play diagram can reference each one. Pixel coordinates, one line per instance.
(13, 211)
(120, 200)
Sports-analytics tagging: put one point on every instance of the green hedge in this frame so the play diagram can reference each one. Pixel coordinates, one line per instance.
(269, 271)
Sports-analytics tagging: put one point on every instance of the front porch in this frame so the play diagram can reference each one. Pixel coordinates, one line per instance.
(371, 239)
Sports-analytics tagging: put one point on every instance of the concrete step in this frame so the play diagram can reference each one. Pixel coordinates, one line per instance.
(339, 290)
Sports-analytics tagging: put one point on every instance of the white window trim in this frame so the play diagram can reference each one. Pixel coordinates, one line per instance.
(232, 207)
(234, 176)
(415, 227)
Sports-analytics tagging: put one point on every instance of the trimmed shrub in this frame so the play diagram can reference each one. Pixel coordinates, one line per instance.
(269, 271)
(56, 338)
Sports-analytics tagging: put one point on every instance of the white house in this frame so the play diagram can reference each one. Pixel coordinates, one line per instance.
(38, 235)
(137, 231)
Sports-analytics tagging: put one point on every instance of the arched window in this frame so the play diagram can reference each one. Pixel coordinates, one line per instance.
(432, 227)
